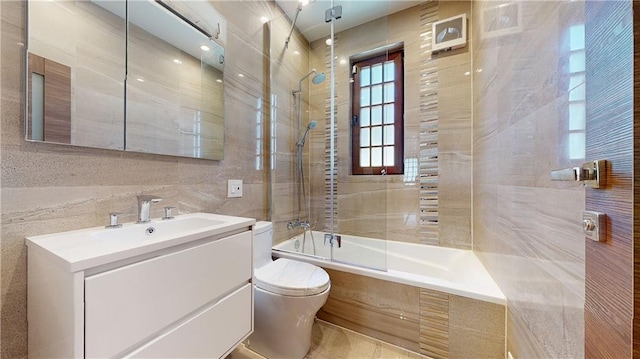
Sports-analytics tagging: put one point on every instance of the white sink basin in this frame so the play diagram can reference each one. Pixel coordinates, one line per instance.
(87, 248)
(180, 225)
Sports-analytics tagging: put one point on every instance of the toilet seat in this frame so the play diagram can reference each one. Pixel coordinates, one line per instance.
(292, 278)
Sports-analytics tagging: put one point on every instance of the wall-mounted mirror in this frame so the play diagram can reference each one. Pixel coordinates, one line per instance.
(148, 81)
(76, 72)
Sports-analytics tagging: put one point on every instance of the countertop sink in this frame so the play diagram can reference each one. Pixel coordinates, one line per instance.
(87, 248)
(156, 228)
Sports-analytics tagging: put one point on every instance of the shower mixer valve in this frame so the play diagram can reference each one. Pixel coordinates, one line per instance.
(297, 224)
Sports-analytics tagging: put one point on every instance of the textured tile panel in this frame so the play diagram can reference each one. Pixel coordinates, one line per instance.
(380, 309)
(434, 324)
(526, 228)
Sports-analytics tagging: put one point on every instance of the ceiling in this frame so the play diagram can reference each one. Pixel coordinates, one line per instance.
(354, 12)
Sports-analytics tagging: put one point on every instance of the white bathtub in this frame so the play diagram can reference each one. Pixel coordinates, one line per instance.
(454, 271)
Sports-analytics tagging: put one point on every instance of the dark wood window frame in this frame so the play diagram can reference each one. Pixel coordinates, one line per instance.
(397, 57)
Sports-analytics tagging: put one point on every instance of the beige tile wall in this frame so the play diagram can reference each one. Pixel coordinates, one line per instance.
(526, 228)
(432, 323)
(389, 207)
(288, 65)
(48, 188)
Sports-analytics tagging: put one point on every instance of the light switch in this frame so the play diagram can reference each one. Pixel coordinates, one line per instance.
(234, 188)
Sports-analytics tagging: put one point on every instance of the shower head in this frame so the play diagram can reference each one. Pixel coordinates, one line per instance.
(319, 78)
(310, 127)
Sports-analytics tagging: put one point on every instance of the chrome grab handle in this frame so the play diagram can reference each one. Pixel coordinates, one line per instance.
(591, 173)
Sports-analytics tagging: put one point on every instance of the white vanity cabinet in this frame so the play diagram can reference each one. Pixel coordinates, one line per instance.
(190, 299)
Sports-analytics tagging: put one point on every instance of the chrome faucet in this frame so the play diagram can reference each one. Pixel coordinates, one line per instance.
(144, 206)
(298, 223)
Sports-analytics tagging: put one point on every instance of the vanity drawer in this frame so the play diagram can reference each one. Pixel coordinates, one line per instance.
(209, 334)
(125, 305)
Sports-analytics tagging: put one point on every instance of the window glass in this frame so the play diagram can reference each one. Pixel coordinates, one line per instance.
(389, 71)
(365, 76)
(365, 116)
(376, 115)
(376, 74)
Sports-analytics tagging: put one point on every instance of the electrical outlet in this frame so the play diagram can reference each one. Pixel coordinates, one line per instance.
(234, 188)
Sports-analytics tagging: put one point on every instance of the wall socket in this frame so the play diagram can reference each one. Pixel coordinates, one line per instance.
(234, 188)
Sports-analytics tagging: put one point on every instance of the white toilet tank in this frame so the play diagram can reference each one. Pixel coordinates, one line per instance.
(262, 243)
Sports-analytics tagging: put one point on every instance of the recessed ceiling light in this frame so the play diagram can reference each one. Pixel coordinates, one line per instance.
(177, 61)
(240, 75)
(343, 61)
(328, 42)
(219, 80)
(264, 19)
(296, 52)
(204, 48)
(140, 78)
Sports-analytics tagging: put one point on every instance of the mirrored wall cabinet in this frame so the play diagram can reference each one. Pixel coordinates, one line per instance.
(139, 75)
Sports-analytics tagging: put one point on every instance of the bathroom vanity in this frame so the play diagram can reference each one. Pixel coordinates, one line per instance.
(177, 288)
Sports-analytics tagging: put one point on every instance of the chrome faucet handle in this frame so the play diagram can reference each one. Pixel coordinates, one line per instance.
(148, 198)
(168, 213)
(113, 220)
(144, 206)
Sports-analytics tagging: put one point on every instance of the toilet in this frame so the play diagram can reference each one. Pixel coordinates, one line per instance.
(288, 294)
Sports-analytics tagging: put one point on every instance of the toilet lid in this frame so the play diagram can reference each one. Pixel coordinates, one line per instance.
(288, 277)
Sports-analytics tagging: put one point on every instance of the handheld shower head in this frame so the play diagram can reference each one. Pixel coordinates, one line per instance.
(310, 127)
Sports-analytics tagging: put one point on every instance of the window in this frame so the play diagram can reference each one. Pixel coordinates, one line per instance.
(377, 115)
(577, 105)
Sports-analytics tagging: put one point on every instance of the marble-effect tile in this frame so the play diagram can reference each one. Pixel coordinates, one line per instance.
(526, 228)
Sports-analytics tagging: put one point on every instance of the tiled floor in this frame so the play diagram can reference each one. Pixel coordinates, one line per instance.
(333, 342)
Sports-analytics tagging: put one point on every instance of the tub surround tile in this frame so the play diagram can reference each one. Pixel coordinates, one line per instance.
(476, 315)
(380, 309)
(457, 327)
(466, 343)
(434, 324)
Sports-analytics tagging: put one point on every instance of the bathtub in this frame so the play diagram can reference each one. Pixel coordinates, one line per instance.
(449, 270)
